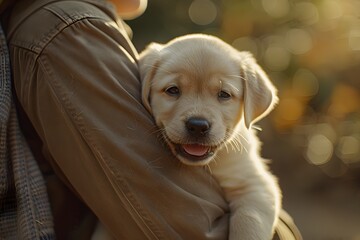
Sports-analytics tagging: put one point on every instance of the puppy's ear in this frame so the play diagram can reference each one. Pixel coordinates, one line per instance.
(259, 93)
(148, 65)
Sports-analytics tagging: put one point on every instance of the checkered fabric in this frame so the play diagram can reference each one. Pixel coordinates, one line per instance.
(24, 206)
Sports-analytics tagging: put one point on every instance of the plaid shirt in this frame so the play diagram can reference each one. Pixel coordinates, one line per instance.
(24, 205)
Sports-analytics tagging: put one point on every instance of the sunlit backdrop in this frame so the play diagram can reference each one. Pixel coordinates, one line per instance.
(311, 51)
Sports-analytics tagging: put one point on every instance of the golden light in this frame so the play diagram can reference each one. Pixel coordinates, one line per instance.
(305, 83)
(344, 100)
(202, 12)
(320, 149)
(276, 8)
(288, 112)
(349, 149)
(332, 9)
(277, 58)
(246, 44)
(298, 41)
(291, 109)
(354, 39)
(307, 12)
(327, 130)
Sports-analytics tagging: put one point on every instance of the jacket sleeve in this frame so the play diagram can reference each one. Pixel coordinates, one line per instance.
(76, 77)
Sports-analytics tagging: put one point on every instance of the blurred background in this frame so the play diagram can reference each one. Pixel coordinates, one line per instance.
(311, 51)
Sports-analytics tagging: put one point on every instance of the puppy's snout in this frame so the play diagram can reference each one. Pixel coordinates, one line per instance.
(197, 126)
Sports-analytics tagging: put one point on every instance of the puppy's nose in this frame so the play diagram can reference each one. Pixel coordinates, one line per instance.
(197, 126)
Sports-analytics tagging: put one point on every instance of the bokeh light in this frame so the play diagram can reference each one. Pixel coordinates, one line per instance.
(332, 9)
(298, 41)
(277, 58)
(246, 44)
(276, 8)
(311, 52)
(354, 39)
(349, 149)
(306, 12)
(305, 84)
(202, 12)
(319, 150)
(290, 109)
(344, 100)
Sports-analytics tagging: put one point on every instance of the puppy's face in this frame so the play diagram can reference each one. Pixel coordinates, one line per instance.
(195, 89)
(197, 109)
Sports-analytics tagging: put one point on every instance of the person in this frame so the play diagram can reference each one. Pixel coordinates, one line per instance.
(77, 86)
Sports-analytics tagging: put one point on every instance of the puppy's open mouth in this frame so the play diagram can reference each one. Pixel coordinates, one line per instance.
(194, 154)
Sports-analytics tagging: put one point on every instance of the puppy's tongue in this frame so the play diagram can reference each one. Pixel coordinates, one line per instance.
(195, 149)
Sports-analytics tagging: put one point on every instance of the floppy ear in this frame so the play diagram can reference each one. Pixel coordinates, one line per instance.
(259, 93)
(148, 64)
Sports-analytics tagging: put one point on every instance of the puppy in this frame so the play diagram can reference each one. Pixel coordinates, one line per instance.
(205, 96)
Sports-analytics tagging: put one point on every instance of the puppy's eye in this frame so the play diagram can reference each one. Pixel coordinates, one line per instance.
(173, 91)
(222, 95)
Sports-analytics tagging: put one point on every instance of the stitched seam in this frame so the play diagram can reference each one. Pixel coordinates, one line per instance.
(139, 215)
(152, 232)
(72, 18)
(48, 37)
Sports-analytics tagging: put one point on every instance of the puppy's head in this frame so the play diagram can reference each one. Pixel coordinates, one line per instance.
(199, 89)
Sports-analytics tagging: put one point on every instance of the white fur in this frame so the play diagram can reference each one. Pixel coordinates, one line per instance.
(251, 190)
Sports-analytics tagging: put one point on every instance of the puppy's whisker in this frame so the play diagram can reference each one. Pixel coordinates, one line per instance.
(163, 137)
(226, 147)
(232, 145)
(237, 144)
(155, 130)
(242, 136)
(207, 166)
(238, 139)
(243, 147)
(231, 141)
(175, 132)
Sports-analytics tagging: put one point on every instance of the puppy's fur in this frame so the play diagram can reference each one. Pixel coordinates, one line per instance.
(205, 96)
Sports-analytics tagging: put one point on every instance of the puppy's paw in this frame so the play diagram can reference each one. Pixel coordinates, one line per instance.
(250, 226)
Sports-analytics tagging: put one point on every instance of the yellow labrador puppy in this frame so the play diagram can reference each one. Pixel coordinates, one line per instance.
(205, 96)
